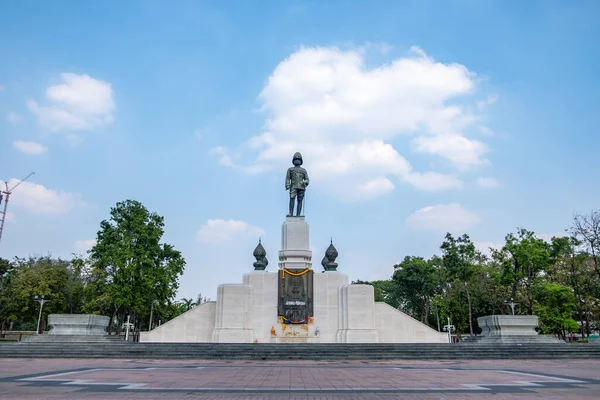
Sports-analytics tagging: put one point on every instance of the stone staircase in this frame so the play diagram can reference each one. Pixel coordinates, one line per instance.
(512, 339)
(316, 351)
(71, 339)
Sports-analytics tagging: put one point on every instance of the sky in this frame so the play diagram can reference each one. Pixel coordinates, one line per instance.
(414, 118)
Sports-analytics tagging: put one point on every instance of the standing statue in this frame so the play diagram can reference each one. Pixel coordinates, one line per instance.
(296, 181)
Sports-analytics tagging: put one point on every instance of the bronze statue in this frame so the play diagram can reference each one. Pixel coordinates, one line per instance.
(296, 181)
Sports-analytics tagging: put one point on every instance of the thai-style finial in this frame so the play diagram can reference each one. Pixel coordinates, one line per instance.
(331, 254)
(261, 257)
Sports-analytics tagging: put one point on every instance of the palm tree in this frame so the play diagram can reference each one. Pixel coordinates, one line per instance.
(188, 304)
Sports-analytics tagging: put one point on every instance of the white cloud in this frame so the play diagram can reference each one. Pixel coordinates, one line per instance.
(432, 181)
(1, 88)
(548, 236)
(484, 247)
(443, 217)
(217, 231)
(13, 117)
(487, 183)
(33, 148)
(458, 149)
(343, 116)
(80, 103)
(85, 244)
(491, 99)
(37, 199)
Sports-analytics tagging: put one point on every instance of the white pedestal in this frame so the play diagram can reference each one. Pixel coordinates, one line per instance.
(508, 325)
(234, 314)
(78, 324)
(295, 244)
(357, 314)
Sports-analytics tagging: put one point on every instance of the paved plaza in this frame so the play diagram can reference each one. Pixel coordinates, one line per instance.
(160, 379)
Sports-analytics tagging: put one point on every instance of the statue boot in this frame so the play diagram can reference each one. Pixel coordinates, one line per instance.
(291, 213)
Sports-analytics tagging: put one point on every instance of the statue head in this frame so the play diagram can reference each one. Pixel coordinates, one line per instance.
(297, 160)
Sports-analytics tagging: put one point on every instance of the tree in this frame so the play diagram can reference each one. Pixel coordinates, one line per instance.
(525, 257)
(554, 306)
(574, 268)
(459, 257)
(188, 304)
(6, 273)
(131, 268)
(415, 279)
(587, 229)
(55, 279)
(201, 300)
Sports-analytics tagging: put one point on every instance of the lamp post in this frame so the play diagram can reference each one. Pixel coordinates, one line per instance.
(512, 305)
(41, 300)
(449, 328)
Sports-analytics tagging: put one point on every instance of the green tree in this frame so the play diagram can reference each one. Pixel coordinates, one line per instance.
(554, 305)
(524, 258)
(6, 273)
(55, 279)
(188, 304)
(416, 281)
(460, 258)
(130, 267)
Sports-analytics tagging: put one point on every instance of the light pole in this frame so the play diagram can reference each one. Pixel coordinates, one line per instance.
(449, 328)
(41, 300)
(127, 325)
(512, 305)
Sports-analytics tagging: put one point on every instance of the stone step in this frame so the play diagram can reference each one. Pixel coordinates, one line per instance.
(71, 339)
(222, 351)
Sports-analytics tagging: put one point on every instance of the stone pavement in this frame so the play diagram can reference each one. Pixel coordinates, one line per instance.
(168, 379)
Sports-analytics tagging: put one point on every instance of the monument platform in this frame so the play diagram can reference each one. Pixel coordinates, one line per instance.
(294, 304)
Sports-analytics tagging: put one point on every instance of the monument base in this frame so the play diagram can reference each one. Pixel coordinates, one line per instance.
(508, 325)
(509, 329)
(78, 324)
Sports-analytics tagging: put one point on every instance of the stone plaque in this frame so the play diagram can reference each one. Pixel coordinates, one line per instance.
(295, 296)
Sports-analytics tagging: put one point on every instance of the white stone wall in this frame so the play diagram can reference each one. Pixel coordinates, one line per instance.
(326, 303)
(233, 322)
(195, 325)
(357, 314)
(246, 312)
(263, 303)
(394, 326)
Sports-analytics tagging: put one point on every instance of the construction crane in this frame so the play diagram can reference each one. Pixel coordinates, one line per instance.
(4, 196)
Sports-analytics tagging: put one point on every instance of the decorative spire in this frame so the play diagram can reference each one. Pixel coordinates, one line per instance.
(331, 254)
(261, 257)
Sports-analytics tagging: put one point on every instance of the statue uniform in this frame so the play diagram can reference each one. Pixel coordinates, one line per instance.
(296, 181)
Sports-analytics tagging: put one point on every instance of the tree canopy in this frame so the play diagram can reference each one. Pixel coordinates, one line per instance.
(129, 271)
(557, 280)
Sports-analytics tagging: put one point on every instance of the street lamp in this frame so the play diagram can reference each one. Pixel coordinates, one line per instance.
(41, 300)
(449, 328)
(512, 304)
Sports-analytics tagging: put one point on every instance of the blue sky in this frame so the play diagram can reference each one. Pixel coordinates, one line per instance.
(413, 117)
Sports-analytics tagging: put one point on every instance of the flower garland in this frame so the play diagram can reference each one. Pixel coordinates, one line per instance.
(287, 271)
